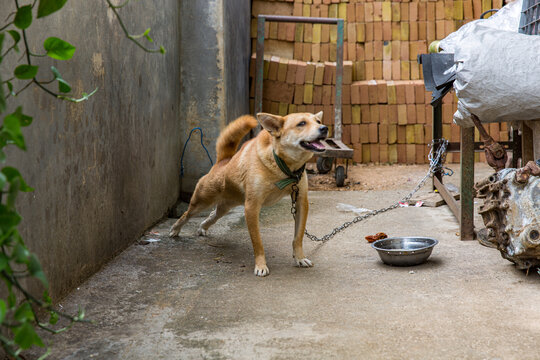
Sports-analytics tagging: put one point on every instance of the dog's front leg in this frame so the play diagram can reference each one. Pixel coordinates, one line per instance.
(302, 209)
(252, 211)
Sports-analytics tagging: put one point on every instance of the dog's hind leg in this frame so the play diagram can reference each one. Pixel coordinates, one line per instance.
(220, 210)
(200, 201)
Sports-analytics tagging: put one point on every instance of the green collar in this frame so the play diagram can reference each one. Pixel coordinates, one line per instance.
(293, 177)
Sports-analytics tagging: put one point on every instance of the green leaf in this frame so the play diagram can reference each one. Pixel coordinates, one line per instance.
(8, 218)
(63, 85)
(80, 314)
(12, 127)
(11, 173)
(13, 192)
(16, 38)
(2, 97)
(24, 120)
(26, 72)
(54, 318)
(3, 180)
(145, 34)
(21, 254)
(24, 313)
(34, 267)
(11, 299)
(3, 310)
(25, 336)
(2, 156)
(47, 7)
(162, 50)
(46, 298)
(23, 18)
(10, 88)
(3, 262)
(15, 35)
(58, 49)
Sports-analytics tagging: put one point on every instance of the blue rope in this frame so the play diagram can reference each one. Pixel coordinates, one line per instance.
(185, 145)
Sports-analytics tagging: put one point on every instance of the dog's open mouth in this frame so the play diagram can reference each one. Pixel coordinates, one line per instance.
(315, 145)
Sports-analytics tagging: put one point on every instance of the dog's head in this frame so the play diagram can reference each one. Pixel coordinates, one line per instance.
(296, 133)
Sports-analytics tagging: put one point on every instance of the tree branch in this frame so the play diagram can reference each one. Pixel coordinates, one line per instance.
(128, 35)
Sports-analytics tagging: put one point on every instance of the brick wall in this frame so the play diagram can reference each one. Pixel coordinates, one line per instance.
(386, 113)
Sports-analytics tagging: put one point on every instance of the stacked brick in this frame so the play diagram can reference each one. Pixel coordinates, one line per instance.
(386, 113)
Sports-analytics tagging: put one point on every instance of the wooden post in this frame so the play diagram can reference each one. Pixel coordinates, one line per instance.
(467, 182)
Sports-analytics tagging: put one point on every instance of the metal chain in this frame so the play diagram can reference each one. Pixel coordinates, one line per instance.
(435, 165)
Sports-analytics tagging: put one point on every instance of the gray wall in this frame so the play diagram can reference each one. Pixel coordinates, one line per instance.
(214, 56)
(106, 169)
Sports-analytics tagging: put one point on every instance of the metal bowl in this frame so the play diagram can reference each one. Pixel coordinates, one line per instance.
(404, 251)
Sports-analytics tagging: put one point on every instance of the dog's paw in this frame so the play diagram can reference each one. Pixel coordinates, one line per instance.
(305, 262)
(261, 271)
(173, 233)
(202, 232)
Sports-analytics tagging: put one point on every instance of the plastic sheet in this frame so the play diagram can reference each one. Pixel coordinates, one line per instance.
(497, 69)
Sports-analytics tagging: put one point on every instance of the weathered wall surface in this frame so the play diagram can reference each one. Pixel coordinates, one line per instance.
(106, 169)
(214, 69)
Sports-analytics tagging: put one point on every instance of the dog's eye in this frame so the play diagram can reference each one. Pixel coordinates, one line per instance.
(319, 122)
(301, 123)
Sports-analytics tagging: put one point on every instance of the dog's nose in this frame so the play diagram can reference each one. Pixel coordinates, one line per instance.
(323, 129)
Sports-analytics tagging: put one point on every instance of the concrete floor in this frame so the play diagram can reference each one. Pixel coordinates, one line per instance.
(197, 298)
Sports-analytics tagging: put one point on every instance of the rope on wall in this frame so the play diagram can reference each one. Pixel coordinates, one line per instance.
(185, 145)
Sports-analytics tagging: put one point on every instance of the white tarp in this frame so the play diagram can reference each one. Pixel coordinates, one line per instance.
(497, 69)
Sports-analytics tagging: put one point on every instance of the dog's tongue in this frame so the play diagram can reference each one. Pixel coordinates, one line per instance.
(317, 144)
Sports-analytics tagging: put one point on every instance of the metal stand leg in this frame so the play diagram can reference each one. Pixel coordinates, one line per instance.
(437, 134)
(467, 183)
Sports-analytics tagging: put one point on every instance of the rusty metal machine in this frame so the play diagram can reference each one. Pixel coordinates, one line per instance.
(511, 213)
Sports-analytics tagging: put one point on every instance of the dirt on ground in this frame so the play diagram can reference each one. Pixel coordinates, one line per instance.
(369, 177)
(384, 177)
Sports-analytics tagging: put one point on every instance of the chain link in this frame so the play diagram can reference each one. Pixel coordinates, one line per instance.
(435, 165)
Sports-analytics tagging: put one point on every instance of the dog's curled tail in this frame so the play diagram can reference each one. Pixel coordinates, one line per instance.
(230, 137)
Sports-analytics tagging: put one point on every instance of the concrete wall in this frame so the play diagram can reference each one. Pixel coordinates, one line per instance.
(213, 92)
(106, 169)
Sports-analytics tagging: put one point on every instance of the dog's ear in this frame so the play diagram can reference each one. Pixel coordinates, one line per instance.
(271, 123)
(319, 115)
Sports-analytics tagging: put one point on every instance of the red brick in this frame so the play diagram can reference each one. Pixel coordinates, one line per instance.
(346, 114)
(383, 133)
(291, 72)
(327, 98)
(357, 154)
(373, 133)
(410, 93)
(329, 70)
(299, 94)
(381, 92)
(401, 153)
(300, 72)
(420, 113)
(400, 93)
(364, 133)
(374, 150)
(346, 95)
(372, 92)
(347, 72)
(355, 93)
(355, 134)
(364, 93)
(273, 69)
(317, 95)
(411, 114)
